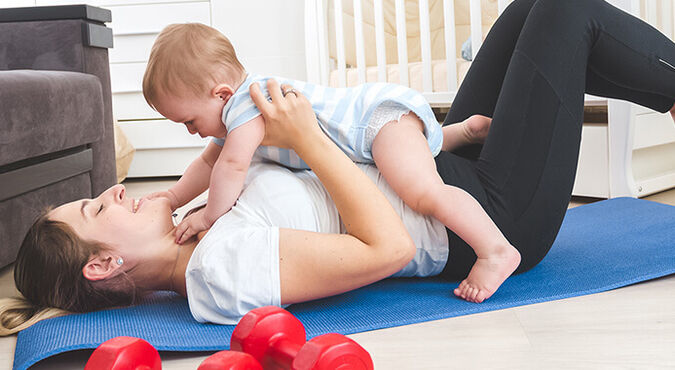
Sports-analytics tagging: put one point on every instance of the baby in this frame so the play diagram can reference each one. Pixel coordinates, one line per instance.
(194, 77)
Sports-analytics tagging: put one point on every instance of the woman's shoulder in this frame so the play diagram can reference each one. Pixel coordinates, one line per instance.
(235, 267)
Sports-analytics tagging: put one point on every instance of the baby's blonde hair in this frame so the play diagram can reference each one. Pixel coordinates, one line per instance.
(192, 57)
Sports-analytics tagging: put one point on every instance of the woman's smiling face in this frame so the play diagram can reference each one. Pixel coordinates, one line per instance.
(112, 220)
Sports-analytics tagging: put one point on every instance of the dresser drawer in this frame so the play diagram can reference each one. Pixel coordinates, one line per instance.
(132, 106)
(160, 134)
(135, 27)
(163, 148)
(127, 77)
(132, 48)
(150, 18)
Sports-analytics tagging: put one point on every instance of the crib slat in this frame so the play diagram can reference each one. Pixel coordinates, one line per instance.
(358, 34)
(380, 47)
(635, 8)
(323, 41)
(339, 43)
(311, 47)
(501, 5)
(450, 43)
(667, 18)
(425, 45)
(651, 14)
(401, 43)
(476, 27)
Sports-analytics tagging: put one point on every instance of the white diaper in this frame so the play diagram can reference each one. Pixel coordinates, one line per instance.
(383, 114)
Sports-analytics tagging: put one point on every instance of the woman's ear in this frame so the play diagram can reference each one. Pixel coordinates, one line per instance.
(100, 267)
(222, 91)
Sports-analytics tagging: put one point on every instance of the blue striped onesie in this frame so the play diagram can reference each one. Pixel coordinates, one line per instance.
(342, 113)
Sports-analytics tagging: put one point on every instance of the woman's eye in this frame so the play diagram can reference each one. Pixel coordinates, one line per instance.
(100, 208)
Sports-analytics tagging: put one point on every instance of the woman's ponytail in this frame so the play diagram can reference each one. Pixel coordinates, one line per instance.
(18, 313)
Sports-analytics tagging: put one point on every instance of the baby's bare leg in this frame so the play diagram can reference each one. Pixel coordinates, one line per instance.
(402, 155)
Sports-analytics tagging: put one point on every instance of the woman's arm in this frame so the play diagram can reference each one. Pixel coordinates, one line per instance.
(315, 265)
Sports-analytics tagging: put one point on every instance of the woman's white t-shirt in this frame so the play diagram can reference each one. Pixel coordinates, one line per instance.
(235, 266)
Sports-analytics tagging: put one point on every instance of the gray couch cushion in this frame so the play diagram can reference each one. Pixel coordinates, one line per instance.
(43, 112)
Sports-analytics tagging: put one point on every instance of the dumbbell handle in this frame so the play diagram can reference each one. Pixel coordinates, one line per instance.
(281, 351)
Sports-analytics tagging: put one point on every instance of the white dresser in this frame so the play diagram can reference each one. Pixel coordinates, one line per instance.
(165, 148)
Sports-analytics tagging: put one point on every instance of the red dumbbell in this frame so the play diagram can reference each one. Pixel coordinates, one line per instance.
(230, 360)
(277, 340)
(124, 353)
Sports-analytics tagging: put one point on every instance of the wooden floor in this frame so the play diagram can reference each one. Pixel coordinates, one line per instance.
(626, 328)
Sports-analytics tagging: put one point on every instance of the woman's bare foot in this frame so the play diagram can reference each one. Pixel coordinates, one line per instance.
(476, 128)
(488, 273)
(672, 112)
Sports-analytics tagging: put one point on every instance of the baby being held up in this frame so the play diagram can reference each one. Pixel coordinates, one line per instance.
(194, 77)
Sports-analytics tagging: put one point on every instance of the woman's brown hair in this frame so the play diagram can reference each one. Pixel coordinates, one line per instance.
(48, 273)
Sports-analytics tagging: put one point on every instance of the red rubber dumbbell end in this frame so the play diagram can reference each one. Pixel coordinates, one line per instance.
(269, 333)
(333, 352)
(124, 353)
(230, 360)
(277, 339)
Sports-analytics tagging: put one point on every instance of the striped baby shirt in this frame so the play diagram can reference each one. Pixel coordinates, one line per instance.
(342, 113)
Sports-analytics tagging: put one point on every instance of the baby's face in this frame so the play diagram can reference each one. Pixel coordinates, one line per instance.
(200, 115)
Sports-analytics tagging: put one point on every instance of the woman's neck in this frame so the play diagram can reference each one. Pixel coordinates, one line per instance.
(183, 255)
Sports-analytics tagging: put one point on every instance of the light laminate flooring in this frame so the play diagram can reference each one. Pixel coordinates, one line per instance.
(627, 328)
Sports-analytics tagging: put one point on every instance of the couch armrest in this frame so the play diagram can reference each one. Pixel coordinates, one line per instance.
(52, 37)
(65, 38)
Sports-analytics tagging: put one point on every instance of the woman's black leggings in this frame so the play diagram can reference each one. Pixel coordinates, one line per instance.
(530, 76)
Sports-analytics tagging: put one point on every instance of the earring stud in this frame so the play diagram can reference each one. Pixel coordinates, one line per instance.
(120, 261)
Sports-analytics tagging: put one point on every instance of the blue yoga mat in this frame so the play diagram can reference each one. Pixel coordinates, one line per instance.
(601, 246)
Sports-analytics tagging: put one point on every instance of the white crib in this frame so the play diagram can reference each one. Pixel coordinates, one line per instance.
(349, 42)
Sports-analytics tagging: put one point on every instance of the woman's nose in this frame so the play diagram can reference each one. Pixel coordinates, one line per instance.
(117, 192)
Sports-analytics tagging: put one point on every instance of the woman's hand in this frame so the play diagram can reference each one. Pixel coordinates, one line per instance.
(289, 119)
(377, 243)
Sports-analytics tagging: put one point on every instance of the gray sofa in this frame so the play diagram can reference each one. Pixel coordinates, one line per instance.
(56, 130)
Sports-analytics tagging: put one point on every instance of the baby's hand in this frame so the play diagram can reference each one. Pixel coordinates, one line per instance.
(165, 194)
(191, 225)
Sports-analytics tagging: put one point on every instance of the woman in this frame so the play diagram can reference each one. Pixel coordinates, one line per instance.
(529, 76)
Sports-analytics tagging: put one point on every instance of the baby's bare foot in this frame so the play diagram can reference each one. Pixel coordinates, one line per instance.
(487, 274)
(476, 128)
